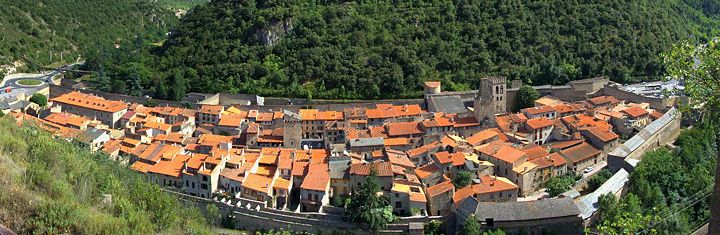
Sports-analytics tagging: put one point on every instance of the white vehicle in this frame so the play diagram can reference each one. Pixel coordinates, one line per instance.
(588, 170)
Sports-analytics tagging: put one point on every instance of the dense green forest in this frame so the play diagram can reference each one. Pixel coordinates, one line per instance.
(51, 186)
(386, 49)
(663, 188)
(181, 4)
(56, 31)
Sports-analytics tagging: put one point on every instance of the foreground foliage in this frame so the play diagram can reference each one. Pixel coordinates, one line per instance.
(368, 207)
(663, 188)
(50, 187)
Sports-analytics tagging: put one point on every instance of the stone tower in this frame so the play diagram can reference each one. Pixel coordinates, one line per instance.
(292, 130)
(490, 99)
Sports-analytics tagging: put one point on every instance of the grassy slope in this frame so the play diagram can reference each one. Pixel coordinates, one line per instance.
(52, 186)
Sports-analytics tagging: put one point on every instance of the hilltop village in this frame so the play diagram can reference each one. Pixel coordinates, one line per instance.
(305, 160)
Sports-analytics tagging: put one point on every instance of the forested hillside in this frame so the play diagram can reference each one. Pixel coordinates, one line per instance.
(43, 31)
(50, 186)
(385, 49)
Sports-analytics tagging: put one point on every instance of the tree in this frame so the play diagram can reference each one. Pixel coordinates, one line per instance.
(559, 184)
(699, 67)
(212, 214)
(463, 178)
(525, 97)
(494, 232)
(471, 227)
(39, 99)
(434, 227)
(598, 179)
(367, 206)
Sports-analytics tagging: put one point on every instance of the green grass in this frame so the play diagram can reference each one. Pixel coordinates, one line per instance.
(29, 82)
(50, 186)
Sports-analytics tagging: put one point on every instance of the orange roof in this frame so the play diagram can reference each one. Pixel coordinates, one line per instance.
(426, 170)
(445, 157)
(171, 168)
(157, 151)
(392, 111)
(535, 151)
(508, 154)
(314, 114)
(141, 166)
(264, 117)
(655, 114)
(231, 120)
(397, 141)
(432, 84)
(403, 128)
(538, 110)
(466, 122)
(397, 157)
(538, 123)
(168, 111)
(482, 136)
(316, 180)
(553, 159)
(437, 189)
(281, 183)
(437, 121)
(580, 152)
(422, 149)
(492, 147)
(212, 140)
(212, 109)
(257, 182)
(300, 168)
(603, 134)
(382, 168)
(635, 112)
(489, 184)
(158, 126)
(90, 102)
(601, 100)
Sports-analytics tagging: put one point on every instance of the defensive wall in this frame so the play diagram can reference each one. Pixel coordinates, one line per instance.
(655, 102)
(658, 133)
(56, 91)
(623, 159)
(253, 215)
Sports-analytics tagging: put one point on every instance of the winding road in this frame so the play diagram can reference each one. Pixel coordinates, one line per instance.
(10, 87)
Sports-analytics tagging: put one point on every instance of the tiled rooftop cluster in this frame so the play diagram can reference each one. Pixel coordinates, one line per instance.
(269, 156)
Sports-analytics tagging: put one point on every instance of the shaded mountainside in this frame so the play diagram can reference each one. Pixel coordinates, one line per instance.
(43, 30)
(385, 49)
(51, 186)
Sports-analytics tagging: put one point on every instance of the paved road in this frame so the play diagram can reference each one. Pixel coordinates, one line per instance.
(9, 86)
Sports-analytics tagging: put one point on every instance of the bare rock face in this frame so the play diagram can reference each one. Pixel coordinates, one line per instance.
(271, 34)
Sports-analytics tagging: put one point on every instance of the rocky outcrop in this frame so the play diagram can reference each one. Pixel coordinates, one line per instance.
(271, 34)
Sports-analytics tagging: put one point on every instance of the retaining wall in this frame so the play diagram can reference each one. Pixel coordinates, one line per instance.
(655, 103)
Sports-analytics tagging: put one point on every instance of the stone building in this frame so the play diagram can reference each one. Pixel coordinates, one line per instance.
(292, 130)
(490, 99)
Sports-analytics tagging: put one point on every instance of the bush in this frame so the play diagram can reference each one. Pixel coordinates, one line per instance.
(559, 184)
(39, 99)
(598, 179)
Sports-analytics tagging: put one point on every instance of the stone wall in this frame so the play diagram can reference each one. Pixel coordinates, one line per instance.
(658, 133)
(260, 218)
(655, 103)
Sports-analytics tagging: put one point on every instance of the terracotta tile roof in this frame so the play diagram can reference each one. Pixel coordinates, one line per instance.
(213, 140)
(466, 122)
(415, 193)
(141, 166)
(538, 123)
(488, 184)
(399, 158)
(264, 117)
(564, 144)
(580, 152)
(212, 109)
(440, 188)
(314, 115)
(383, 169)
(563, 108)
(656, 115)
(508, 154)
(156, 151)
(553, 159)
(432, 84)
(257, 182)
(316, 181)
(635, 112)
(534, 151)
(281, 183)
(90, 102)
(285, 163)
(300, 168)
(171, 168)
(422, 149)
(391, 111)
(538, 110)
(427, 170)
(230, 120)
(492, 147)
(444, 157)
(482, 136)
(403, 128)
(237, 174)
(602, 133)
(438, 120)
(158, 126)
(601, 100)
(377, 131)
(397, 141)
